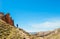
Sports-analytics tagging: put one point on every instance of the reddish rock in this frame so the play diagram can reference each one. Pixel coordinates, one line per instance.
(7, 18)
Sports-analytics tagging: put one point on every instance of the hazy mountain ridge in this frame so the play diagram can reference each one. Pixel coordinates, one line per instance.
(48, 35)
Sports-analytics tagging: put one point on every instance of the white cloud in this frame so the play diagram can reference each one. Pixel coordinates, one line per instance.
(46, 24)
(49, 24)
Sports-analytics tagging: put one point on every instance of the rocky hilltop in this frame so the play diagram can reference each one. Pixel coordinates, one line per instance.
(7, 18)
(9, 31)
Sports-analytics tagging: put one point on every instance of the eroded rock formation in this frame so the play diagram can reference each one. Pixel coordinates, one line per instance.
(6, 18)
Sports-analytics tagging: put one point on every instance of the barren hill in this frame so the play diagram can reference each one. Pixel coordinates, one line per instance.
(10, 32)
(55, 34)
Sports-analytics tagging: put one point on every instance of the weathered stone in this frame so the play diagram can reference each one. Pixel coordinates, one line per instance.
(7, 18)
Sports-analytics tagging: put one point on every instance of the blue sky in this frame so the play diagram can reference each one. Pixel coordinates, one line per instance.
(33, 15)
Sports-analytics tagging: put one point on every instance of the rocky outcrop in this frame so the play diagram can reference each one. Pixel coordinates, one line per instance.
(7, 18)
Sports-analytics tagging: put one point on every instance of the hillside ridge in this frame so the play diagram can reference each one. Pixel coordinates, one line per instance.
(8, 31)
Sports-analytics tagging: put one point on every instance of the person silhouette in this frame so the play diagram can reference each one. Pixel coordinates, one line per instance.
(17, 25)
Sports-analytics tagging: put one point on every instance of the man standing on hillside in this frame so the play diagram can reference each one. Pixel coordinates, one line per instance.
(17, 25)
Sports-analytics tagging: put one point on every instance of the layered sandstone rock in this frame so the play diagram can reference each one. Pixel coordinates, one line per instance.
(7, 18)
